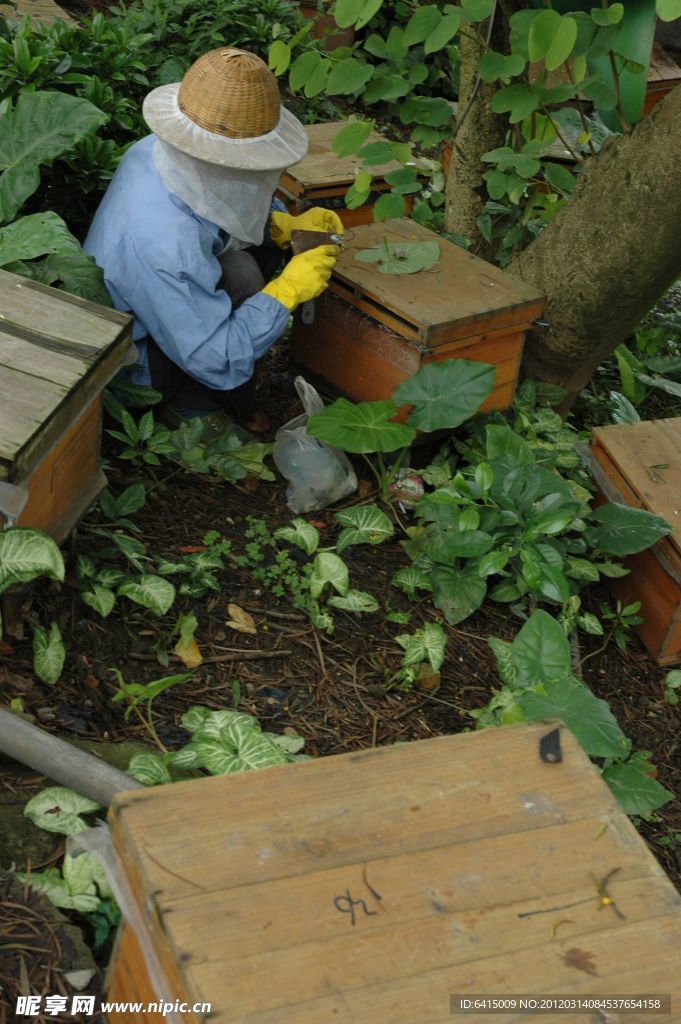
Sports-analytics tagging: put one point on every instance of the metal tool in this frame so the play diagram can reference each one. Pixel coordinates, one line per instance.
(303, 241)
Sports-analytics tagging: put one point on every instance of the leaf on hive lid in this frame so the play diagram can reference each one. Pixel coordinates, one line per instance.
(401, 257)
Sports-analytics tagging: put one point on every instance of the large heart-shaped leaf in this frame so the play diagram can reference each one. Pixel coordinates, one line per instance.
(151, 592)
(355, 601)
(58, 809)
(445, 394)
(25, 554)
(329, 569)
(457, 593)
(362, 428)
(401, 257)
(301, 533)
(427, 643)
(49, 653)
(588, 717)
(42, 126)
(364, 524)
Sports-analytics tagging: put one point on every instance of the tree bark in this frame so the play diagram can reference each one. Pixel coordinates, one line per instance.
(611, 252)
(480, 131)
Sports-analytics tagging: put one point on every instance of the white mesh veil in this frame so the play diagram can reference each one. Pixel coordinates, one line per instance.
(237, 200)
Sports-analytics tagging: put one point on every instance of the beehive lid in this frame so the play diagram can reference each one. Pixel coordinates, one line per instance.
(648, 457)
(459, 297)
(367, 887)
(57, 352)
(321, 172)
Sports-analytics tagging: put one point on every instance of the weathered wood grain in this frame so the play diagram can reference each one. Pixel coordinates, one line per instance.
(369, 887)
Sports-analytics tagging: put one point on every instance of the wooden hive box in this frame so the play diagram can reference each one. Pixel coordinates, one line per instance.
(373, 330)
(57, 352)
(639, 464)
(370, 887)
(321, 178)
(664, 74)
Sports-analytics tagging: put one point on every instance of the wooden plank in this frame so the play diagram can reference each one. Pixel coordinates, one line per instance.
(461, 296)
(43, 12)
(663, 67)
(24, 409)
(321, 168)
(475, 862)
(426, 801)
(57, 367)
(57, 321)
(648, 456)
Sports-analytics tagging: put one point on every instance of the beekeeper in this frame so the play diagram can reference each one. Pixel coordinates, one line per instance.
(189, 237)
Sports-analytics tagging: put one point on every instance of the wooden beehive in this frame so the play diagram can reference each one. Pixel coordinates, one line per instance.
(373, 330)
(57, 352)
(664, 74)
(321, 178)
(639, 464)
(369, 887)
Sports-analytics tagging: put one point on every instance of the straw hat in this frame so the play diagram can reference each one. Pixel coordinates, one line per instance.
(227, 111)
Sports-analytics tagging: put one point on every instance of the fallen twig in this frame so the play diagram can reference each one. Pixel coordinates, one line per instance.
(216, 658)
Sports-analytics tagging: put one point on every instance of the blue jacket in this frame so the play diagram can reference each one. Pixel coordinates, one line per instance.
(160, 263)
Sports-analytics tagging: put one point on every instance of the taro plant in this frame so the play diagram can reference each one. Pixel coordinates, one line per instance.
(538, 682)
(40, 127)
(513, 530)
(134, 694)
(441, 395)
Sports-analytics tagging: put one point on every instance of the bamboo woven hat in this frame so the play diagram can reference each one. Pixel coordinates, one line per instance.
(227, 111)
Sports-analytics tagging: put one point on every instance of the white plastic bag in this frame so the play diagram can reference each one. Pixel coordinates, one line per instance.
(318, 473)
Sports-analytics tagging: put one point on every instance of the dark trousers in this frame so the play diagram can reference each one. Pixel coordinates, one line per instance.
(244, 272)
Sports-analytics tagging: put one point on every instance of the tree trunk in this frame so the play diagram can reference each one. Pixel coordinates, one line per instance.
(480, 131)
(611, 252)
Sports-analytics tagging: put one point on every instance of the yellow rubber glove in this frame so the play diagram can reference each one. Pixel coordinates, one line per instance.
(318, 219)
(304, 277)
(315, 219)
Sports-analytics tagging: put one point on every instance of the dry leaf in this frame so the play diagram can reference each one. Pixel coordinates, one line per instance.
(260, 423)
(192, 549)
(240, 620)
(250, 484)
(427, 679)
(365, 488)
(189, 654)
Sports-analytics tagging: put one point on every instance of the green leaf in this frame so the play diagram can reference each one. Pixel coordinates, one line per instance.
(446, 546)
(300, 533)
(234, 743)
(25, 554)
(457, 592)
(560, 178)
(637, 791)
(390, 206)
(355, 601)
(376, 153)
(443, 33)
(42, 126)
(131, 500)
(542, 32)
(427, 643)
(421, 24)
(540, 651)
(151, 592)
(503, 652)
(386, 88)
(400, 258)
(348, 76)
(562, 43)
(621, 409)
(329, 569)
(671, 387)
(303, 68)
(410, 580)
(371, 7)
(279, 56)
(351, 138)
(493, 562)
(478, 10)
(668, 10)
(49, 654)
(518, 100)
(347, 12)
(445, 394)
(32, 236)
(364, 524)
(58, 809)
(624, 530)
(586, 716)
(366, 427)
(149, 769)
